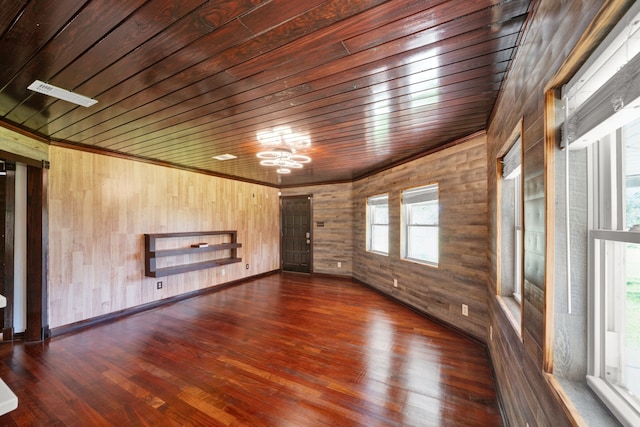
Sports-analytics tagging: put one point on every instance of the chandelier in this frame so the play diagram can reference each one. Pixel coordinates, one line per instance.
(282, 144)
(283, 158)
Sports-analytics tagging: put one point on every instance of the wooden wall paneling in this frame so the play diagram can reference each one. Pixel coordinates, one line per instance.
(22, 148)
(100, 207)
(333, 242)
(461, 173)
(532, 406)
(553, 30)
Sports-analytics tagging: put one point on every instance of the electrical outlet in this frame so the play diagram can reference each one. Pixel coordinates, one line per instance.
(395, 283)
(159, 285)
(246, 266)
(339, 264)
(223, 272)
(465, 310)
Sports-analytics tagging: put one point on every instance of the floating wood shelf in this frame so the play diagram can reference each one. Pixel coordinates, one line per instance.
(151, 254)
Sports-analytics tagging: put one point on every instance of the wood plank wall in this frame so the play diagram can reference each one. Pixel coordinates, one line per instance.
(461, 172)
(553, 30)
(332, 205)
(99, 209)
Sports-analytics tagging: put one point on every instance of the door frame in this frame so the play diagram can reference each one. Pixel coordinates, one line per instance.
(301, 196)
(37, 298)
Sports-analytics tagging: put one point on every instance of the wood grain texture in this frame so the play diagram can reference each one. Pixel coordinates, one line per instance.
(333, 242)
(100, 208)
(178, 82)
(460, 278)
(552, 33)
(286, 349)
(24, 146)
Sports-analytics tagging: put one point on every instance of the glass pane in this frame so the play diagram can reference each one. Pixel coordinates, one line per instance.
(380, 214)
(632, 174)
(422, 243)
(620, 276)
(632, 311)
(425, 213)
(380, 238)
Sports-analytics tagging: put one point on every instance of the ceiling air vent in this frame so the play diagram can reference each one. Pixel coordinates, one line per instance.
(56, 92)
(225, 157)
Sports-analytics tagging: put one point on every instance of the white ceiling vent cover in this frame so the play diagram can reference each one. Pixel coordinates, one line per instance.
(65, 95)
(223, 157)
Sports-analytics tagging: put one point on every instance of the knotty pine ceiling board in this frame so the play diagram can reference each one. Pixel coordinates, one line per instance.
(372, 82)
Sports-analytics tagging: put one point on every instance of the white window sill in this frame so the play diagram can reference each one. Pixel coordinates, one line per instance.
(616, 403)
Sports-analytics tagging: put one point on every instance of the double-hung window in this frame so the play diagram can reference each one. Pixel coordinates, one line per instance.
(378, 224)
(511, 226)
(420, 224)
(602, 104)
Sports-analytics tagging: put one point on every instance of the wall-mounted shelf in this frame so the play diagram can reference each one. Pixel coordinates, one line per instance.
(151, 253)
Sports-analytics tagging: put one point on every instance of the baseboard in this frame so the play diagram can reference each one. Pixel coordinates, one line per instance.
(503, 413)
(434, 319)
(110, 317)
(333, 276)
(455, 329)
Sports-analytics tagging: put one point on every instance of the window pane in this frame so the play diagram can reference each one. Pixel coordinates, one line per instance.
(377, 224)
(380, 238)
(422, 243)
(380, 214)
(424, 213)
(632, 174)
(619, 276)
(632, 310)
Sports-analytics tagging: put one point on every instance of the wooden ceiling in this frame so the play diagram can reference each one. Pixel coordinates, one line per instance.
(371, 82)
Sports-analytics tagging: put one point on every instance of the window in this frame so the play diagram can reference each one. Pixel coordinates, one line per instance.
(602, 127)
(378, 224)
(510, 220)
(614, 245)
(420, 224)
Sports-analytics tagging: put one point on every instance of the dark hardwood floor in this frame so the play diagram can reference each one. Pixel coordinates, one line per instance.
(283, 350)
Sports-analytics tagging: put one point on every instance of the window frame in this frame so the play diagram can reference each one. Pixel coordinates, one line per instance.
(600, 96)
(510, 296)
(607, 231)
(372, 202)
(407, 221)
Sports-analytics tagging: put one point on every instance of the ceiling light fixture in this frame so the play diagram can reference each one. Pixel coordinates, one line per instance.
(284, 159)
(65, 95)
(283, 144)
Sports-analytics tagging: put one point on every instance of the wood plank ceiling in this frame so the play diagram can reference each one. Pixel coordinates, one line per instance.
(370, 82)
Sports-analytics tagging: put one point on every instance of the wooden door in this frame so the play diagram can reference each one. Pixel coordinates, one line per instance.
(296, 234)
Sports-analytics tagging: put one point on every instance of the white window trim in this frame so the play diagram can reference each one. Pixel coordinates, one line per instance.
(435, 187)
(370, 224)
(511, 163)
(612, 396)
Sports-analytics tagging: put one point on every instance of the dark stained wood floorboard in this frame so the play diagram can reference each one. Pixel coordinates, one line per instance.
(283, 350)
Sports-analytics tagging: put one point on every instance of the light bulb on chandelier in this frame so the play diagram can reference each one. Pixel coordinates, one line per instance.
(284, 159)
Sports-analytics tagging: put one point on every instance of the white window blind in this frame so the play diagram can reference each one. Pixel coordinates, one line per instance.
(605, 93)
(427, 193)
(512, 160)
(378, 200)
